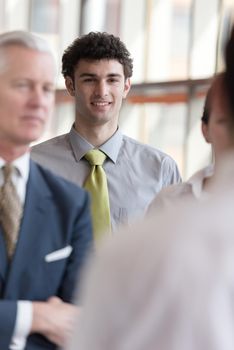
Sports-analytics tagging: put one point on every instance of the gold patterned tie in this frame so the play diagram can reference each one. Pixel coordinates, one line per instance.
(96, 184)
(10, 210)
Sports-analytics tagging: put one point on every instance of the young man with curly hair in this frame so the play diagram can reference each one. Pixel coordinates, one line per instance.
(97, 68)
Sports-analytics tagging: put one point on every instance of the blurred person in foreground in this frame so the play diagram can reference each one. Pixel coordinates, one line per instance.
(45, 225)
(168, 282)
(97, 68)
(215, 129)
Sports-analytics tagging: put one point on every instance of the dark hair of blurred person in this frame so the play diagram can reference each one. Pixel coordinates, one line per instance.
(229, 57)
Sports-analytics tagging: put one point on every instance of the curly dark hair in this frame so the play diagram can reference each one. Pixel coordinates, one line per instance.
(96, 46)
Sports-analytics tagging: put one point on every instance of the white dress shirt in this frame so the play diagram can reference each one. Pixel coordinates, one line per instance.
(193, 187)
(24, 308)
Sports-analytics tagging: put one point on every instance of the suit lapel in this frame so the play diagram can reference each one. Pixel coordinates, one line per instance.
(3, 260)
(35, 210)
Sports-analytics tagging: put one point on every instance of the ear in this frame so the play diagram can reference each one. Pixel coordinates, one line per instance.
(205, 132)
(70, 86)
(127, 86)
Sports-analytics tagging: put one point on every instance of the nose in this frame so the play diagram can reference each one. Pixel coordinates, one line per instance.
(38, 97)
(101, 89)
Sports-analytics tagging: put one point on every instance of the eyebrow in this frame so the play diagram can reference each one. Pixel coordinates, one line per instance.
(95, 75)
(30, 80)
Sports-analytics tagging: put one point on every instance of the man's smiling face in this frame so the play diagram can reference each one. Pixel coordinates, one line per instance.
(99, 87)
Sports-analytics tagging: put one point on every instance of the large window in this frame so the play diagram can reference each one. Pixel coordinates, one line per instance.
(176, 45)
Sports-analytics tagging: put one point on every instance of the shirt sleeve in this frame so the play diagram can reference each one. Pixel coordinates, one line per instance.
(22, 325)
(171, 174)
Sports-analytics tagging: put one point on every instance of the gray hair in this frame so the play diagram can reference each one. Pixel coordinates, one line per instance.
(24, 39)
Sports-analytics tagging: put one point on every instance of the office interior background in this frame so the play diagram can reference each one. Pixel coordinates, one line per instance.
(177, 46)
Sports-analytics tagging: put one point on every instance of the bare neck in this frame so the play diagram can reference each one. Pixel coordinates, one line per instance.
(10, 153)
(95, 135)
(208, 181)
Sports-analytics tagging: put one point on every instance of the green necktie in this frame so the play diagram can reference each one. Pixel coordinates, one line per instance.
(96, 184)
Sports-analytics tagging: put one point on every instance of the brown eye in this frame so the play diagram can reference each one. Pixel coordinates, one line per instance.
(22, 85)
(88, 80)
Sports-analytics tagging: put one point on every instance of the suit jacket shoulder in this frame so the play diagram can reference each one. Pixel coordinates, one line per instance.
(54, 241)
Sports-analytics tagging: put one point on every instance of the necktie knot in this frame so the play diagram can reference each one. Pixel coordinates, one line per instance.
(95, 157)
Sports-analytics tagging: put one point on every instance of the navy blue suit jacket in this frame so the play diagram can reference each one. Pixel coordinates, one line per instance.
(56, 215)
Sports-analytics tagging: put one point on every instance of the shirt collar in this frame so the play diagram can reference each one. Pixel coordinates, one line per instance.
(80, 146)
(21, 164)
(197, 180)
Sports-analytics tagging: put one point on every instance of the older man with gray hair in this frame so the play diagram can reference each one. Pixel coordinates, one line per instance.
(45, 226)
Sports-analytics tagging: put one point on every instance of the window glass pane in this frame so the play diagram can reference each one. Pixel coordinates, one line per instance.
(45, 16)
(169, 35)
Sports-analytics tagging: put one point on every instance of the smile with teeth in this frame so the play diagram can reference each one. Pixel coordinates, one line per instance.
(101, 104)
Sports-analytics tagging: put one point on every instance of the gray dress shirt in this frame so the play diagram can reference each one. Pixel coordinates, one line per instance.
(135, 172)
